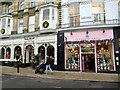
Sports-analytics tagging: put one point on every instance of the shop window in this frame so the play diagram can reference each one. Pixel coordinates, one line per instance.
(8, 53)
(72, 57)
(105, 57)
(17, 51)
(41, 52)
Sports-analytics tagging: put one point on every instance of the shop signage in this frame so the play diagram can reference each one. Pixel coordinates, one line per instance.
(89, 17)
(87, 45)
(29, 40)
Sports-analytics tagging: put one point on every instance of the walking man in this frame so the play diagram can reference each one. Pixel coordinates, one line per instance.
(48, 62)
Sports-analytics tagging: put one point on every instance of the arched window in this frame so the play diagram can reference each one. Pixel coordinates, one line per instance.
(41, 52)
(29, 53)
(50, 50)
(17, 51)
(8, 53)
(2, 53)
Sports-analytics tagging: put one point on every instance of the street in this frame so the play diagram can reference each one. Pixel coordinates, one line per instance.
(12, 81)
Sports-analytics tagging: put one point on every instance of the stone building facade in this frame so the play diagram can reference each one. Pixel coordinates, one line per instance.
(29, 28)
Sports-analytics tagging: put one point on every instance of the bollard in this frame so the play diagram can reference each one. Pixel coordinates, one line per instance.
(17, 66)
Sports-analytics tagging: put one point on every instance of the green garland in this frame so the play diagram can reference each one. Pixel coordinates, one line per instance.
(2, 31)
(45, 24)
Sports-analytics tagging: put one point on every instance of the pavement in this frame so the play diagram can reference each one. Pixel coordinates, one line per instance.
(28, 71)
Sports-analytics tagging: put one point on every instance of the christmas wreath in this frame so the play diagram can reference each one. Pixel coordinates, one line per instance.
(45, 24)
(2, 31)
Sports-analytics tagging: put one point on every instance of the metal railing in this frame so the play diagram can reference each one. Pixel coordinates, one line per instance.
(90, 23)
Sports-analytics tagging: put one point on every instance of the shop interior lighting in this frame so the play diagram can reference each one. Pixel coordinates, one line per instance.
(87, 32)
(103, 31)
(71, 33)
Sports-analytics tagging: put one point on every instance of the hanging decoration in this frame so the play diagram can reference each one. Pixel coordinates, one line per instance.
(98, 42)
(45, 24)
(2, 31)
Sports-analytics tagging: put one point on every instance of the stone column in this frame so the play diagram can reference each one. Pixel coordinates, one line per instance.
(5, 53)
(23, 50)
(0, 53)
(45, 53)
(12, 51)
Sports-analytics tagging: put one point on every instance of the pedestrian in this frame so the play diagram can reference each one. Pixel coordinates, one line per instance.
(33, 61)
(48, 62)
(52, 62)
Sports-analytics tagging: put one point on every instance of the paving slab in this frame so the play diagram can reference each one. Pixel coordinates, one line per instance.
(109, 77)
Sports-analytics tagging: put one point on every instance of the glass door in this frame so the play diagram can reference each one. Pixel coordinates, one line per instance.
(88, 62)
(88, 57)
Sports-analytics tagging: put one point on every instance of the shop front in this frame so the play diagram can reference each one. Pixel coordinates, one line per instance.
(90, 52)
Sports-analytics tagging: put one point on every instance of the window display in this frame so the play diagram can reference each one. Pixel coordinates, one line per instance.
(105, 57)
(84, 55)
(72, 56)
(8, 53)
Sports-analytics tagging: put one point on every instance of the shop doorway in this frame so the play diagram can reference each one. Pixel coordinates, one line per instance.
(8, 53)
(29, 53)
(88, 62)
(41, 52)
(17, 51)
(2, 53)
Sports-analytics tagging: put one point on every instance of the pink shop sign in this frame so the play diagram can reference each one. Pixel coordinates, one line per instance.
(92, 35)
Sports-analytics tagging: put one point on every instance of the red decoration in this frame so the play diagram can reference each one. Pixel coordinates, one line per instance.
(99, 43)
(81, 44)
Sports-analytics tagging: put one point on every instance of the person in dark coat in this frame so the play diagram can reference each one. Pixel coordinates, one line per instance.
(48, 62)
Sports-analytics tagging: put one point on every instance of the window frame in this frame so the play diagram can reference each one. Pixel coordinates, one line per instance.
(48, 13)
(33, 23)
(8, 23)
(73, 15)
(9, 8)
(20, 26)
(22, 4)
(32, 4)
